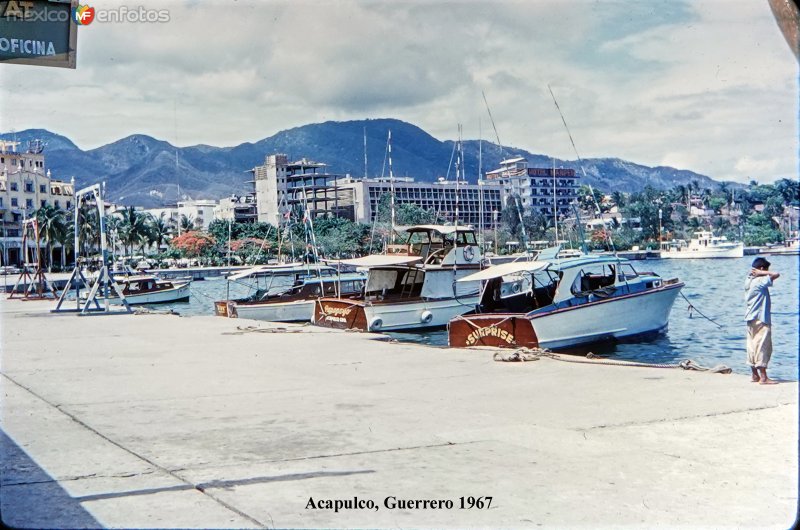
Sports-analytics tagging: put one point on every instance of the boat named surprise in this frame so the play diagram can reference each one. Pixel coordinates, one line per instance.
(561, 303)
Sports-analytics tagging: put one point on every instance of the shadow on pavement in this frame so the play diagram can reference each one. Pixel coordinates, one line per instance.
(30, 498)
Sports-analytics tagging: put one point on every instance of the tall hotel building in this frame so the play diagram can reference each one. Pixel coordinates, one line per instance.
(537, 188)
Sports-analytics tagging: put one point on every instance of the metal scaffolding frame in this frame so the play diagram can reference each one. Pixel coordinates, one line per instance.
(35, 280)
(101, 288)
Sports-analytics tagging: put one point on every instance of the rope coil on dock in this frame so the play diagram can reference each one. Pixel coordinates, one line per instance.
(535, 354)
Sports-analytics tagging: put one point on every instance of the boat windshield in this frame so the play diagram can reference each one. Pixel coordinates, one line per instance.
(627, 272)
(520, 292)
(593, 277)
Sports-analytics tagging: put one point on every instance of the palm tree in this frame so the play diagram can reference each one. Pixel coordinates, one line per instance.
(160, 230)
(618, 197)
(133, 229)
(52, 227)
(88, 228)
(186, 223)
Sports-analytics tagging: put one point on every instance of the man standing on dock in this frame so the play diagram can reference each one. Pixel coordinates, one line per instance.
(759, 319)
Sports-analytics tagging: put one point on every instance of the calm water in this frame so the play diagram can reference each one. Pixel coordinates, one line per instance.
(715, 287)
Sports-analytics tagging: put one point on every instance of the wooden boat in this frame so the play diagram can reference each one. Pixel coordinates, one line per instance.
(559, 304)
(287, 293)
(413, 286)
(147, 289)
(296, 304)
(704, 244)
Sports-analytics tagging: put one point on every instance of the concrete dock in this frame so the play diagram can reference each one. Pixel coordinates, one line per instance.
(164, 421)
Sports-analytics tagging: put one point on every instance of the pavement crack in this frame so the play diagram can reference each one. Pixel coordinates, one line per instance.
(681, 418)
(79, 477)
(332, 455)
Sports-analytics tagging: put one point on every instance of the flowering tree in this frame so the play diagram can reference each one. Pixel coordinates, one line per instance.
(194, 244)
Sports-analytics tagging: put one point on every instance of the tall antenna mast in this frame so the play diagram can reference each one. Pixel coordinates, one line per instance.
(459, 172)
(555, 203)
(492, 120)
(480, 184)
(177, 169)
(580, 161)
(365, 152)
(391, 183)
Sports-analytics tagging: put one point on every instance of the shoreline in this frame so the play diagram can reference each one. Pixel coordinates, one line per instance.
(161, 421)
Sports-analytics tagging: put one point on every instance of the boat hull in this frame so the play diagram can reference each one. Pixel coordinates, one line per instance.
(736, 251)
(498, 330)
(176, 294)
(617, 318)
(298, 311)
(406, 316)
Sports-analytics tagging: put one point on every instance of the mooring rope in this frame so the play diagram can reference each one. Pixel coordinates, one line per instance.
(535, 354)
(241, 330)
(693, 308)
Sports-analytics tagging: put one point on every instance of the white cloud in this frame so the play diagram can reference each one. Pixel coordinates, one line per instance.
(706, 86)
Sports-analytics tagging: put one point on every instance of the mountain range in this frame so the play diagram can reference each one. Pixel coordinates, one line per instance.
(144, 171)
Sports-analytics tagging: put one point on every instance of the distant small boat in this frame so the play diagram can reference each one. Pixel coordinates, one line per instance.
(704, 244)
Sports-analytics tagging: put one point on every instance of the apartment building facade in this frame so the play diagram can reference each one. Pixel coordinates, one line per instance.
(540, 190)
(25, 186)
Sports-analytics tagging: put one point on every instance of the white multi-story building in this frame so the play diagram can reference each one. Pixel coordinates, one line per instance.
(200, 212)
(537, 188)
(26, 186)
(476, 203)
(237, 208)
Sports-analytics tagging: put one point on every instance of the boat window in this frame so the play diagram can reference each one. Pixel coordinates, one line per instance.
(627, 272)
(592, 278)
(467, 238)
(415, 238)
(381, 279)
(419, 244)
(133, 286)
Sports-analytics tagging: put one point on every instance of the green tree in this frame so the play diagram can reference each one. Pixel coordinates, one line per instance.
(618, 197)
(52, 228)
(159, 230)
(88, 228)
(186, 224)
(134, 228)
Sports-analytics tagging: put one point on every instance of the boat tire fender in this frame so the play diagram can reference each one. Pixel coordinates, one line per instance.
(376, 324)
(426, 317)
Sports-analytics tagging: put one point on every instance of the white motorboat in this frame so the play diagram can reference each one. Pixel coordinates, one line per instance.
(704, 244)
(296, 304)
(560, 304)
(287, 293)
(147, 289)
(413, 286)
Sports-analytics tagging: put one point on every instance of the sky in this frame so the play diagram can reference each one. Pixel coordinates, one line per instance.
(706, 85)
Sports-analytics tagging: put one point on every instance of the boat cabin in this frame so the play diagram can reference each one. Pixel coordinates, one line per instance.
(425, 266)
(344, 286)
(529, 287)
(133, 285)
(439, 245)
